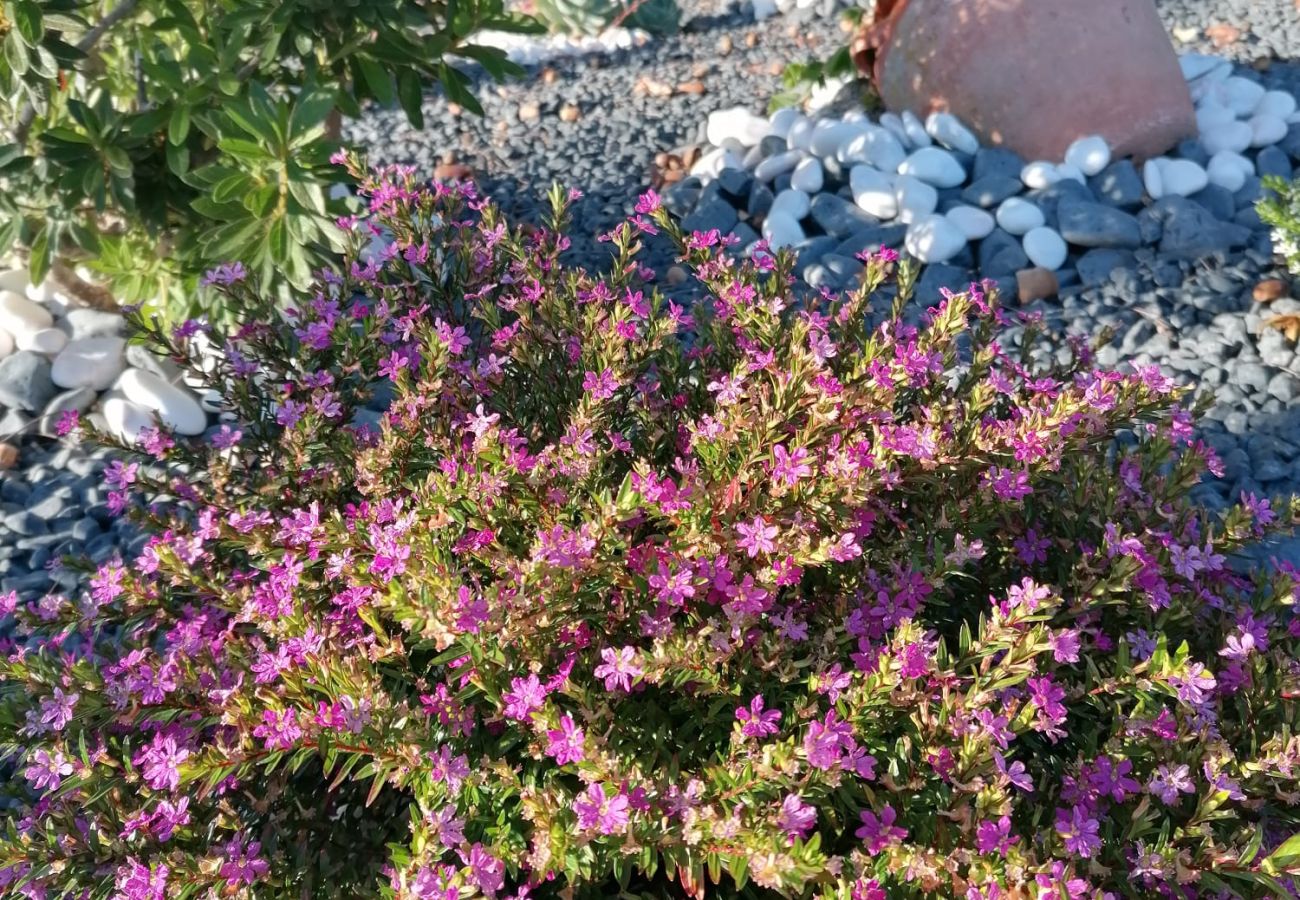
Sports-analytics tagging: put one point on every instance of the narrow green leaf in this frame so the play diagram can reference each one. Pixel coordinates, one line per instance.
(41, 256)
(178, 127)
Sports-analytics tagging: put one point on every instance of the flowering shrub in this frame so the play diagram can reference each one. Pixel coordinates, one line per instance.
(755, 598)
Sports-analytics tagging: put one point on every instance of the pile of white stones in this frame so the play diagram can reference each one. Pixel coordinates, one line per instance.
(55, 357)
(901, 170)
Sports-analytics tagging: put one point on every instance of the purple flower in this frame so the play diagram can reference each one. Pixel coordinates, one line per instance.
(45, 771)
(159, 762)
(600, 386)
(524, 697)
(566, 742)
(796, 818)
(880, 832)
(485, 870)
(243, 865)
(619, 668)
(596, 811)
(994, 837)
(279, 729)
(756, 537)
(1168, 783)
(1078, 830)
(136, 881)
(756, 721)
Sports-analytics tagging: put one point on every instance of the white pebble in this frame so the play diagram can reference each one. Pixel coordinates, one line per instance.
(1045, 248)
(1266, 130)
(711, 164)
(1276, 103)
(1229, 170)
(1071, 172)
(792, 203)
(1194, 65)
(975, 224)
(89, 362)
(808, 176)
(1018, 216)
(1152, 179)
(1089, 154)
(763, 9)
(828, 136)
(933, 239)
(15, 280)
(873, 192)
(893, 123)
(915, 130)
(20, 316)
(949, 131)
(737, 123)
(876, 147)
(777, 164)
(935, 166)
(1235, 136)
(781, 121)
(1242, 95)
(1039, 174)
(800, 136)
(916, 199)
(125, 419)
(1182, 177)
(6, 344)
(1210, 115)
(48, 341)
(175, 406)
(781, 231)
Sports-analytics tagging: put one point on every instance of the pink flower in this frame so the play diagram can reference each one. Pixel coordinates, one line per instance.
(159, 762)
(879, 833)
(790, 466)
(796, 818)
(596, 811)
(47, 772)
(619, 668)
(756, 721)
(756, 537)
(524, 697)
(566, 742)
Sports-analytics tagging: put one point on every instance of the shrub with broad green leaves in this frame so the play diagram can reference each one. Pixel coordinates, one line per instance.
(623, 599)
(148, 140)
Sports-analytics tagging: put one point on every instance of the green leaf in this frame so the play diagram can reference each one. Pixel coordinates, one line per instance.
(1285, 858)
(310, 110)
(178, 127)
(41, 255)
(16, 54)
(377, 80)
(411, 95)
(278, 240)
(27, 18)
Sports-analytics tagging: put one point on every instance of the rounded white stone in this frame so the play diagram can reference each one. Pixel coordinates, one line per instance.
(791, 202)
(1152, 179)
(763, 9)
(781, 231)
(873, 192)
(1045, 248)
(933, 239)
(974, 224)
(915, 130)
(876, 147)
(1234, 136)
(948, 130)
(1089, 154)
(777, 164)
(800, 136)
(893, 123)
(15, 280)
(6, 343)
(40, 293)
(20, 316)
(48, 341)
(808, 176)
(1194, 65)
(1266, 130)
(1242, 95)
(1182, 177)
(1210, 115)
(1039, 174)
(1018, 216)
(935, 166)
(736, 123)
(711, 164)
(828, 136)
(175, 406)
(1276, 103)
(915, 198)
(781, 121)
(89, 362)
(1229, 170)
(125, 420)
(1071, 172)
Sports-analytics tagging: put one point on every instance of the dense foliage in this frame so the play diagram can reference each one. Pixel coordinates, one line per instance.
(594, 16)
(150, 139)
(755, 598)
(1280, 207)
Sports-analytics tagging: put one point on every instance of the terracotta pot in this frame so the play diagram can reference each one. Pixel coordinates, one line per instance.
(1033, 75)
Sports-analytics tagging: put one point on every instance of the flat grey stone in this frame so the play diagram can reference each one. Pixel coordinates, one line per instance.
(1087, 224)
(839, 218)
(989, 191)
(1095, 266)
(997, 161)
(1119, 184)
(25, 381)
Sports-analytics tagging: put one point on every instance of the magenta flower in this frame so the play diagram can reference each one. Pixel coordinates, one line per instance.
(566, 742)
(46, 771)
(796, 818)
(790, 466)
(756, 537)
(244, 864)
(756, 721)
(279, 729)
(1078, 830)
(619, 668)
(595, 810)
(159, 760)
(525, 696)
(880, 832)
(136, 881)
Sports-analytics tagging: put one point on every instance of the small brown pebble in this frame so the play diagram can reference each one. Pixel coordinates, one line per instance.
(455, 109)
(1222, 34)
(569, 112)
(775, 68)
(549, 75)
(1269, 290)
(529, 112)
(751, 39)
(453, 171)
(672, 176)
(676, 275)
(724, 45)
(692, 87)
(8, 456)
(1036, 284)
